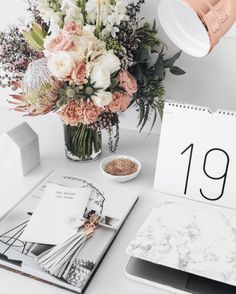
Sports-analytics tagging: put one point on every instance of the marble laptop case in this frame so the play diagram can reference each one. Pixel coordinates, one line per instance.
(191, 237)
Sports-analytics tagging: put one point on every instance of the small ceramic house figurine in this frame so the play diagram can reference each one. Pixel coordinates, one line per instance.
(19, 150)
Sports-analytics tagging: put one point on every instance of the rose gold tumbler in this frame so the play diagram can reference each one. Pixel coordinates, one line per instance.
(196, 26)
(218, 16)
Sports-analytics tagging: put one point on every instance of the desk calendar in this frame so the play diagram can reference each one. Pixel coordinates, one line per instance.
(197, 154)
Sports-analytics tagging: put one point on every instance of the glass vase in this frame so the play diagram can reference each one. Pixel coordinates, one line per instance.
(82, 143)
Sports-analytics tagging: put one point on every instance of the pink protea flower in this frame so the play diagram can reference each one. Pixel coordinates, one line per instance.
(79, 73)
(59, 43)
(72, 28)
(79, 111)
(127, 81)
(120, 102)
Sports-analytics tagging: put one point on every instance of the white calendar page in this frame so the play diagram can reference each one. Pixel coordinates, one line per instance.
(197, 154)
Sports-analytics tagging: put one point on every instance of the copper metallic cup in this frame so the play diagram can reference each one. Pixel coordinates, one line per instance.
(196, 26)
(217, 16)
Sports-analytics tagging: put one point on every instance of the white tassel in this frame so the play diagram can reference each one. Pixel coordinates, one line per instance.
(58, 260)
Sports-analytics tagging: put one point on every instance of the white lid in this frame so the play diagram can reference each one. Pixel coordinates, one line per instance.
(184, 27)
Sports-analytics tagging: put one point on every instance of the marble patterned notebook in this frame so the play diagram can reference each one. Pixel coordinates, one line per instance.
(194, 238)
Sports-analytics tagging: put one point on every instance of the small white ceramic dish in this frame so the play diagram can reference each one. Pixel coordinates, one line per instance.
(119, 179)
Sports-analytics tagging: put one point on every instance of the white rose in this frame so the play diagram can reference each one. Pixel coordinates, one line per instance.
(102, 98)
(60, 64)
(109, 62)
(100, 77)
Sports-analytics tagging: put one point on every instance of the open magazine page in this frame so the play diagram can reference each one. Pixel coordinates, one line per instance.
(22, 256)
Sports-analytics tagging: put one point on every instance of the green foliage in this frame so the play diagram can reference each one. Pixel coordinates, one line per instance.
(175, 70)
(35, 37)
(170, 62)
(149, 100)
(114, 44)
(147, 34)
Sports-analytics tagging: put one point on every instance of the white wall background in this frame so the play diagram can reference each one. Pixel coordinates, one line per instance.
(210, 81)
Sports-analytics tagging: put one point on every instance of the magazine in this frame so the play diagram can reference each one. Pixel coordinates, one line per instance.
(113, 203)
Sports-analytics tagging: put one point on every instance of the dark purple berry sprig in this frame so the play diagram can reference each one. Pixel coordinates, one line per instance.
(109, 122)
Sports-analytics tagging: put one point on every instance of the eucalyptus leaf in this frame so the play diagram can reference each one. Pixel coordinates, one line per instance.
(138, 72)
(159, 67)
(175, 70)
(170, 62)
(143, 54)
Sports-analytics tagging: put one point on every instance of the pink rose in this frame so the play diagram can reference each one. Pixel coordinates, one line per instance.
(127, 81)
(79, 73)
(60, 43)
(120, 102)
(72, 28)
(79, 111)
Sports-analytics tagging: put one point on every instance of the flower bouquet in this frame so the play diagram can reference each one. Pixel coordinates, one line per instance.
(88, 61)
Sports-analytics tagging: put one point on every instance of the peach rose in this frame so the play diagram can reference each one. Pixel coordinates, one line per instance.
(72, 28)
(79, 73)
(127, 81)
(60, 43)
(79, 111)
(120, 102)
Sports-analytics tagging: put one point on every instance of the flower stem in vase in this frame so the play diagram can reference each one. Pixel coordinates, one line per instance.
(82, 143)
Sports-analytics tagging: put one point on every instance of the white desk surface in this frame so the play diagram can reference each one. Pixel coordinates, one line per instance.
(110, 277)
